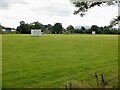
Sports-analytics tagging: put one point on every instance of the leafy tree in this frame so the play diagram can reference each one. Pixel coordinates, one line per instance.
(107, 30)
(50, 27)
(82, 30)
(70, 29)
(57, 28)
(114, 31)
(22, 22)
(35, 25)
(18, 30)
(38, 25)
(77, 31)
(24, 28)
(95, 28)
(115, 21)
(83, 7)
(102, 30)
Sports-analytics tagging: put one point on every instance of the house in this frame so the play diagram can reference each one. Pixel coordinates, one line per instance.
(7, 29)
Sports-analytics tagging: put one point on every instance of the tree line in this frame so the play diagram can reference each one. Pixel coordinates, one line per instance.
(57, 28)
(25, 28)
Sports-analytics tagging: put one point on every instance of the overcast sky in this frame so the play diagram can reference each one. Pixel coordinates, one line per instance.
(51, 12)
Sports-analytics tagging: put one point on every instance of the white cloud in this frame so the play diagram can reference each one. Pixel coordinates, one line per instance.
(51, 7)
(5, 4)
(52, 11)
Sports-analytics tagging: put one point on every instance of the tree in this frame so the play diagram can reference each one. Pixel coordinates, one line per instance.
(22, 22)
(44, 28)
(50, 27)
(35, 25)
(83, 7)
(70, 29)
(115, 21)
(95, 28)
(82, 30)
(24, 28)
(101, 30)
(107, 30)
(18, 29)
(114, 31)
(57, 28)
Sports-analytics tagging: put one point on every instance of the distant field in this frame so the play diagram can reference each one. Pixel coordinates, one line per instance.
(55, 60)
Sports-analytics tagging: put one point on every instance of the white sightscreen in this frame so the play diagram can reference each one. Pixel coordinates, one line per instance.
(93, 32)
(36, 32)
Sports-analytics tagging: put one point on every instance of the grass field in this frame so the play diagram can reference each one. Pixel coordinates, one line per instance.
(55, 60)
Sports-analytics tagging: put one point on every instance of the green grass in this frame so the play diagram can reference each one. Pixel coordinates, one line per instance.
(55, 60)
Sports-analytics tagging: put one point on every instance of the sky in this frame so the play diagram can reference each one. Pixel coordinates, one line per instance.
(51, 12)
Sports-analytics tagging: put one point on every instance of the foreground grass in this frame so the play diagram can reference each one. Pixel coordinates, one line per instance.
(55, 60)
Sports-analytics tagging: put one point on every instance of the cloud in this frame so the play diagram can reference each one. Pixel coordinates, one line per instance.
(52, 11)
(52, 7)
(41, 7)
(5, 4)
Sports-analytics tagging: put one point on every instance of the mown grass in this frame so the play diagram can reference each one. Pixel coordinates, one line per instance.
(55, 60)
